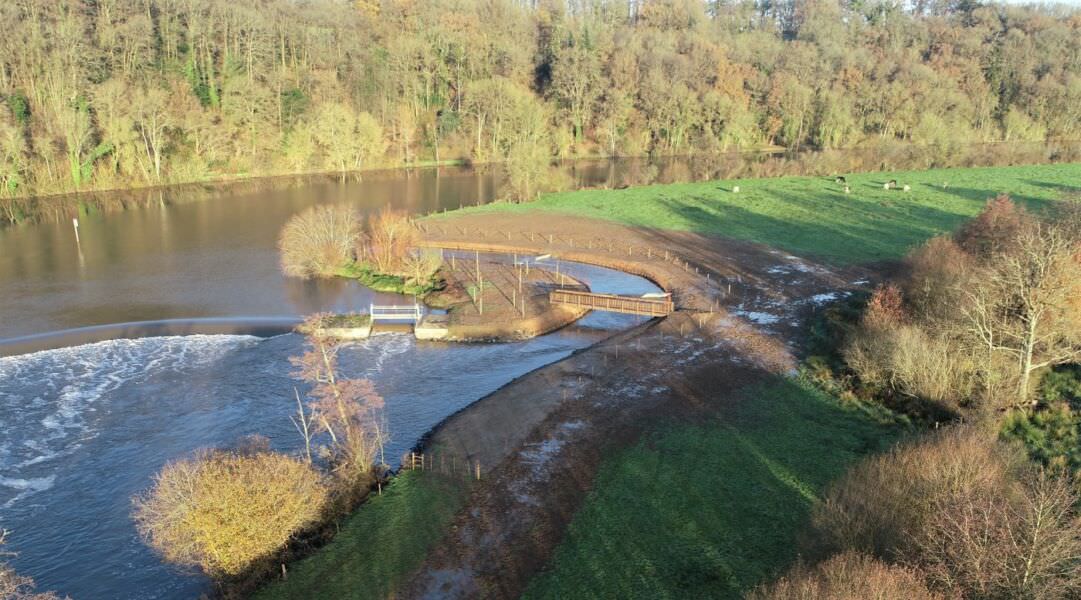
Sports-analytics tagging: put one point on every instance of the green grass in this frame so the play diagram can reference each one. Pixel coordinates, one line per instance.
(347, 320)
(712, 509)
(382, 282)
(812, 216)
(379, 544)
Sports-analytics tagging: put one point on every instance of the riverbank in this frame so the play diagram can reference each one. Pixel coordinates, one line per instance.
(559, 446)
(660, 428)
(540, 440)
(628, 171)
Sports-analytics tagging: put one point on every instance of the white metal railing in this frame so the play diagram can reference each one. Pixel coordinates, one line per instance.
(396, 312)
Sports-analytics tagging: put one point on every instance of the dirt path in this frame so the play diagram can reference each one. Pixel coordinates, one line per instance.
(542, 438)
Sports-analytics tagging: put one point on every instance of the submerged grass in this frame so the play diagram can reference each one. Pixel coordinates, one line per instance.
(379, 544)
(709, 510)
(812, 216)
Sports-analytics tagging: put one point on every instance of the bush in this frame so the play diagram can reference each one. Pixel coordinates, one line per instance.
(391, 236)
(995, 230)
(319, 241)
(1017, 541)
(848, 576)
(881, 505)
(966, 510)
(16, 587)
(922, 366)
(224, 512)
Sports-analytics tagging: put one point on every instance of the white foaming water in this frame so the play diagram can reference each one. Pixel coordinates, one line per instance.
(46, 397)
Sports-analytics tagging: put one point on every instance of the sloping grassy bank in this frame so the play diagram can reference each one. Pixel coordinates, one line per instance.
(711, 509)
(379, 544)
(812, 216)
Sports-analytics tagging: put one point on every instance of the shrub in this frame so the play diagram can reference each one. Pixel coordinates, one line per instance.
(225, 511)
(848, 576)
(935, 274)
(995, 229)
(882, 504)
(319, 241)
(966, 510)
(390, 238)
(1018, 541)
(1050, 435)
(16, 587)
(920, 365)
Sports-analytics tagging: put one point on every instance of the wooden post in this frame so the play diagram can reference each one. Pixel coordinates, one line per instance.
(478, 470)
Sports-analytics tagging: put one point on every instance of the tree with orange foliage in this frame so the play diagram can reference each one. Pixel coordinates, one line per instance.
(995, 230)
(390, 238)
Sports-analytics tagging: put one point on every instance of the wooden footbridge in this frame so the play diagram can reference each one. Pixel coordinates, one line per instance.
(631, 305)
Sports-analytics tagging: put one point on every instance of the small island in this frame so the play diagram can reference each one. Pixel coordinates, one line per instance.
(472, 298)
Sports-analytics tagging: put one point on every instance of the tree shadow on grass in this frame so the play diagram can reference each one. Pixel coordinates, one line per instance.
(712, 507)
(1062, 189)
(835, 231)
(980, 197)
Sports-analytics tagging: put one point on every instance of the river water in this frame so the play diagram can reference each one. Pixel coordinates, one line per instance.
(84, 427)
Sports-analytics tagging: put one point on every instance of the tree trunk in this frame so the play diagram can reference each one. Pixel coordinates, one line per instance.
(1027, 348)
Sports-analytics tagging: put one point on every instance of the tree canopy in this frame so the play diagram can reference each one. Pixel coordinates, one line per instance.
(111, 93)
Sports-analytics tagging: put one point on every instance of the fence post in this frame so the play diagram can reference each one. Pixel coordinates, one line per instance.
(478, 470)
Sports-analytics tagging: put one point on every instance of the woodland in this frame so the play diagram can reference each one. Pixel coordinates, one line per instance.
(108, 94)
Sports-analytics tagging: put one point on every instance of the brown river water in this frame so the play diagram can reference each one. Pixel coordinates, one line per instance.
(87, 418)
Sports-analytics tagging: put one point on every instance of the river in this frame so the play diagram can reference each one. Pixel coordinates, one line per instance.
(84, 427)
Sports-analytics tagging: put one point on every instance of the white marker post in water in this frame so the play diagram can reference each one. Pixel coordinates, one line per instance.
(75, 224)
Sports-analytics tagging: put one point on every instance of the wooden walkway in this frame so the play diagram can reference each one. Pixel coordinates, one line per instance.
(631, 305)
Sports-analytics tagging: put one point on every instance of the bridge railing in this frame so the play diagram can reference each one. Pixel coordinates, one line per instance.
(652, 307)
(396, 312)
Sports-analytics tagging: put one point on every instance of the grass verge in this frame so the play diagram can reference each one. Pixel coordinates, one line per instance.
(379, 544)
(709, 510)
(812, 216)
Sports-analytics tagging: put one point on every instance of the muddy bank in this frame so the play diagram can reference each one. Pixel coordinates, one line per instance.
(541, 439)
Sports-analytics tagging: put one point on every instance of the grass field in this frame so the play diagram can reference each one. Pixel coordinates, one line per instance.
(712, 509)
(379, 544)
(812, 216)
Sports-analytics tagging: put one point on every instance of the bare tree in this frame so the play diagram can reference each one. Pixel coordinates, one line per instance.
(1020, 541)
(319, 241)
(1022, 303)
(348, 411)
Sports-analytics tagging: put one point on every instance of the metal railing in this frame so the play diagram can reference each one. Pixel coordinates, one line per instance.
(395, 312)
